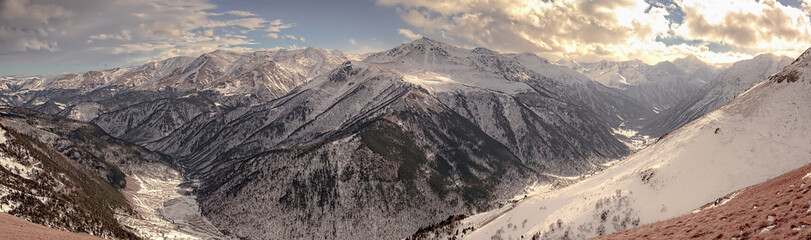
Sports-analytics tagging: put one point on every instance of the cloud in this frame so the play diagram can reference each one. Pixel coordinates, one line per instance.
(123, 32)
(237, 13)
(752, 26)
(125, 35)
(208, 32)
(590, 30)
(571, 29)
(409, 34)
(276, 26)
(25, 26)
(352, 41)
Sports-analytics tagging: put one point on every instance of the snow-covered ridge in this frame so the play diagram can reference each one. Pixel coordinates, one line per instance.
(264, 73)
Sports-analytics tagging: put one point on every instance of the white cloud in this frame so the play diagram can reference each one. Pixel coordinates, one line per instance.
(293, 37)
(124, 35)
(590, 30)
(352, 41)
(562, 29)
(123, 32)
(276, 26)
(237, 13)
(409, 34)
(208, 32)
(751, 26)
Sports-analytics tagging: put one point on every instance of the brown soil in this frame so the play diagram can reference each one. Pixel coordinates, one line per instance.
(132, 185)
(775, 209)
(14, 228)
(130, 188)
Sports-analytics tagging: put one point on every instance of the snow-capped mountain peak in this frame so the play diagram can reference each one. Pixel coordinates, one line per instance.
(692, 64)
(423, 51)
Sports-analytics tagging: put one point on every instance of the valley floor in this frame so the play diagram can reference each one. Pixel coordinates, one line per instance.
(164, 211)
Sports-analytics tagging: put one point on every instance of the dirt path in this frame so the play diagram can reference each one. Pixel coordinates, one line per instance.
(14, 228)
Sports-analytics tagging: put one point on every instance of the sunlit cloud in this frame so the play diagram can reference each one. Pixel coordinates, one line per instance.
(752, 27)
(614, 29)
(409, 34)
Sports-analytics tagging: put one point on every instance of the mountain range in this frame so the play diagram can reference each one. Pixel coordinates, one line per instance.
(315, 143)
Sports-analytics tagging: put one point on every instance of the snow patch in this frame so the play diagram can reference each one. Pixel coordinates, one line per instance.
(439, 82)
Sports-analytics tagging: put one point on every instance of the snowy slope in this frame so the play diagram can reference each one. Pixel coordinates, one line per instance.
(739, 77)
(759, 135)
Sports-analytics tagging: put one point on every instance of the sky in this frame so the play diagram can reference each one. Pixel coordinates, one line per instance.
(45, 37)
